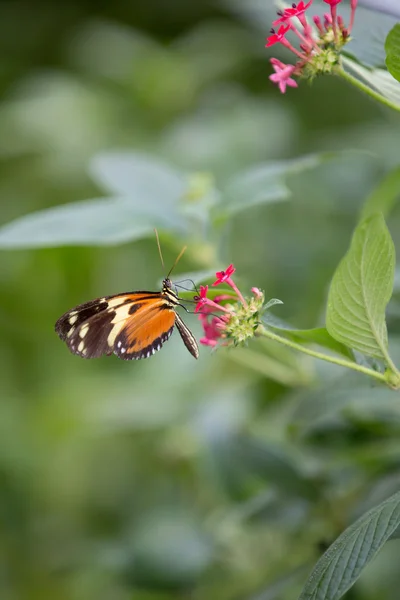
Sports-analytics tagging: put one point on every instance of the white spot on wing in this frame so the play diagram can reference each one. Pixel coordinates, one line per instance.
(113, 302)
(83, 331)
(81, 346)
(121, 314)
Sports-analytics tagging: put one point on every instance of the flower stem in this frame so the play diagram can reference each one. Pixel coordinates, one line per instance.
(332, 359)
(365, 88)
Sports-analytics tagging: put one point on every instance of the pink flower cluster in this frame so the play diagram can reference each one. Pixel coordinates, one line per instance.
(319, 49)
(213, 326)
(221, 318)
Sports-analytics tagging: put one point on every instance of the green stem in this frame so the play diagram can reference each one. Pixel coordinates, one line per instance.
(332, 359)
(365, 88)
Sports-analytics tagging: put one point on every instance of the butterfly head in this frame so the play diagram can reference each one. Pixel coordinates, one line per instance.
(167, 284)
(170, 292)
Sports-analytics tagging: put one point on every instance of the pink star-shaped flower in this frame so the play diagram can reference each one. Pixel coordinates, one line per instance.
(201, 300)
(275, 38)
(282, 76)
(223, 276)
(295, 11)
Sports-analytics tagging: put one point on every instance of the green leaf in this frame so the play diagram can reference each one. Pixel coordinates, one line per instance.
(148, 196)
(141, 179)
(263, 184)
(380, 81)
(361, 288)
(342, 564)
(317, 335)
(99, 222)
(392, 48)
(384, 196)
(368, 49)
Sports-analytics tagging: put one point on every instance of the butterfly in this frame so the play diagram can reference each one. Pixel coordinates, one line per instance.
(132, 325)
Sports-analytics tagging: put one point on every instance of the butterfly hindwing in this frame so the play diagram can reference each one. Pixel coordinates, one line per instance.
(145, 334)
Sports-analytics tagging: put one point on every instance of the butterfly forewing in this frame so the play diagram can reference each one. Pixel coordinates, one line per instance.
(73, 318)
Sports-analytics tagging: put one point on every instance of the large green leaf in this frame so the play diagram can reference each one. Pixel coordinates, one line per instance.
(384, 196)
(368, 48)
(142, 179)
(382, 84)
(264, 183)
(98, 222)
(361, 288)
(342, 564)
(148, 194)
(392, 48)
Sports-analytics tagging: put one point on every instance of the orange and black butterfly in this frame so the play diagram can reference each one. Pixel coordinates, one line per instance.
(132, 325)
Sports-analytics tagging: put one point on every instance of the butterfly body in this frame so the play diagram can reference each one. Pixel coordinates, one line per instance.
(132, 325)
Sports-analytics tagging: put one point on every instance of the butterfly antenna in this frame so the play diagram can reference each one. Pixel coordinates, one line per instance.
(159, 249)
(176, 261)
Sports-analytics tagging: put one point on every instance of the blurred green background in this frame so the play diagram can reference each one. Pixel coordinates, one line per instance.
(224, 478)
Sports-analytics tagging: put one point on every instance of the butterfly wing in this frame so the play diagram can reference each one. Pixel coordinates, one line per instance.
(143, 335)
(187, 336)
(133, 325)
(90, 329)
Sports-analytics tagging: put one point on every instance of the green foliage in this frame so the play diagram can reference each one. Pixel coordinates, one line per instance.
(361, 288)
(342, 564)
(378, 81)
(149, 194)
(392, 49)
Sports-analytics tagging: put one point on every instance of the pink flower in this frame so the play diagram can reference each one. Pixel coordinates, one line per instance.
(295, 11)
(208, 342)
(213, 331)
(202, 299)
(282, 76)
(229, 319)
(332, 2)
(275, 38)
(206, 305)
(353, 6)
(257, 292)
(282, 20)
(318, 24)
(224, 276)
